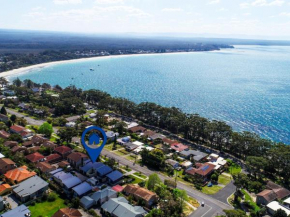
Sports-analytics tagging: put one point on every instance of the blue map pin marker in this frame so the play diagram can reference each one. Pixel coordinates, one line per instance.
(94, 139)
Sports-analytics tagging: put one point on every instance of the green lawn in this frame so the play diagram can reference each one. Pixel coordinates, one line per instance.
(137, 180)
(234, 169)
(249, 200)
(224, 179)
(130, 157)
(140, 175)
(47, 209)
(121, 152)
(109, 147)
(211, 190)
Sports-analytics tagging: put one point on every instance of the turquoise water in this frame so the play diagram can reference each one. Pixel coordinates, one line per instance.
(248, 87)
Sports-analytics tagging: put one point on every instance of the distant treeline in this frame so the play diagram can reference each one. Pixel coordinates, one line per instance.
(212, 133)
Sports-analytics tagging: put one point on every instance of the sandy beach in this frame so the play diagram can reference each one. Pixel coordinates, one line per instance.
(43, 65)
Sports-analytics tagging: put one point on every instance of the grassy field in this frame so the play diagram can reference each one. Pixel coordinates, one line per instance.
(211, 190)
(250, 201)
(130, 157)
(137, 180)
(140, 175)
(109, 147)
(193, 202)
(224, 179)
(121, 152)
(47, 209)
(234, 169)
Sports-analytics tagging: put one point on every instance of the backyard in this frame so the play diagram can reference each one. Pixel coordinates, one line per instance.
(47, 209)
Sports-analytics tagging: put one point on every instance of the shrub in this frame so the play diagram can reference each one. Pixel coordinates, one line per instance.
(51, 197)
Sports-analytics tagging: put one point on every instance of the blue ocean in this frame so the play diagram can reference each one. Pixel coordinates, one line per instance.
(248, 87)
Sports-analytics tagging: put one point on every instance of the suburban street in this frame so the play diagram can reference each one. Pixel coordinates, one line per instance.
(214, 205)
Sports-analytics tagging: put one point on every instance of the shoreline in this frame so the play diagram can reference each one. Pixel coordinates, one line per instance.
(27, 69)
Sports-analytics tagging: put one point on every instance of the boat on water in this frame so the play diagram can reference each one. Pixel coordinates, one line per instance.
(92, 70)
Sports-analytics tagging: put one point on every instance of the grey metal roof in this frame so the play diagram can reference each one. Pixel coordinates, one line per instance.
(20, 211)
(87, 201)
(197, 155)
(120, 207)
(30, 186)
(107, 192)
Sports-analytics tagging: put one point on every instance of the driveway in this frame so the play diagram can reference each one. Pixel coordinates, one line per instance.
(225, 193)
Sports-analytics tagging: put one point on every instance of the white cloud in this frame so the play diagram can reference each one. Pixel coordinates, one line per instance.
(109, 1)
(246, 14)
(285, 14)
(65, 2)
(223, 9)
(259, 3)
(171, 9)
(214, 2)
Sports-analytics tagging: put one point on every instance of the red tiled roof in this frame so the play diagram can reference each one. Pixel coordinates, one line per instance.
(5, 188)
(178, 147)
(53, 157)
(19, 174)
(203, 169)
(67, 212)
(10, 143)
(62, 149)
(17, 128)
(169, 141)
(76, 156)
(44, 167)
(4, 162)
(139, 191)
(4, 134)
(118, 188)
(35, 157)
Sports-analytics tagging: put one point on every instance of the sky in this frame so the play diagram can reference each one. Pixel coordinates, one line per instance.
(233, 18)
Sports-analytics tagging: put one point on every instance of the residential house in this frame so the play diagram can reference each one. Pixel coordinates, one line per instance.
(45, 168)
(73, 118)
(27, 144)
(103, 171)
(173, 163)
(63, 151)
(169, 142)
(202, 170)
(140, 193)
(124, 140)
(69, 183)
(131, 124)
(9, 92)
(130, 146)
(19, 149)
(120, 207)
(92, 181)
(70, 124)
(1, 204)
(49, 144)
(104, 195)
(179, 147)
(18, 175)
(87, 202)
(90, 169)
(30, 189)
(137, 129)
(271, 193)
(60, 176)
(4, 118)
(67, 212)
(10, 144)
(114, 177)
(147, 133)
(218, 161)
(76, 159)
(156, 138)
(82, 189)
(22, 131)
(64, 164)
(273, 206)
(196, 155)
(111, 135)
(53, 158)
(5, 189)
(38, 140)
(4, 134)
(23, 106)
(186, 164)
(20, 211)
(118, 188)
(6, 164)
(35, 157)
